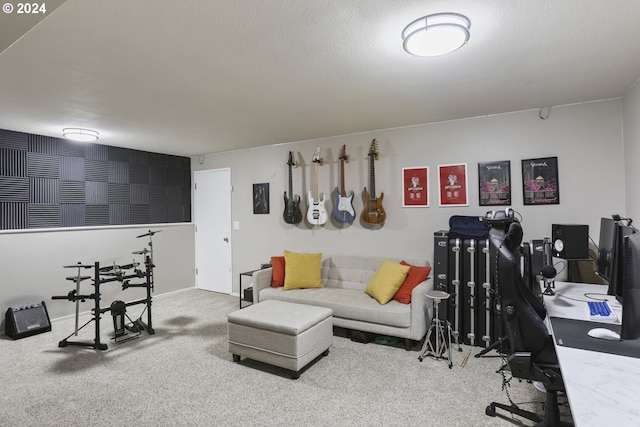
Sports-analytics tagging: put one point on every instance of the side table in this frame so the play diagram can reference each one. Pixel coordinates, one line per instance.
(241, 293)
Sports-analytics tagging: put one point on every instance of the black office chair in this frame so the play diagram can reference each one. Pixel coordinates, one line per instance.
(532, 353)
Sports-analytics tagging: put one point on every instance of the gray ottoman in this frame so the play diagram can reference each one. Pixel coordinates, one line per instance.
(281, 333)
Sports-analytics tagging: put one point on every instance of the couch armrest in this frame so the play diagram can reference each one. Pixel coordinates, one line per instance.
(261, 280)
(421, 310)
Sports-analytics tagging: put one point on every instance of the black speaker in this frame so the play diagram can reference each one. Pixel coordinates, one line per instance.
(26, 320)
(570, 241)
(537, 257)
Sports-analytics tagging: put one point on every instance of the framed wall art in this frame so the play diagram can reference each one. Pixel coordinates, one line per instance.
(452, 184)
(261, 198)
(494, 181)
(415, 187)
(540, 184)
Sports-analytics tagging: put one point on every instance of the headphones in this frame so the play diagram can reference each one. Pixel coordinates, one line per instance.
(494, 218)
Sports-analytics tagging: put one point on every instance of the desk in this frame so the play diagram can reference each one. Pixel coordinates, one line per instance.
(603, 389)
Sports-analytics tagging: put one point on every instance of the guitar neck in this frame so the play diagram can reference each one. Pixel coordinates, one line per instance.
(290, 185)
(315, 181)
(343, 192)
(372, 178)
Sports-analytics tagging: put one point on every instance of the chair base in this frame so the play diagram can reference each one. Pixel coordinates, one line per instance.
(551, 412)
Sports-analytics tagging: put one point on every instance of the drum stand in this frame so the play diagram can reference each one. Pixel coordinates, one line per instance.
(442, 349)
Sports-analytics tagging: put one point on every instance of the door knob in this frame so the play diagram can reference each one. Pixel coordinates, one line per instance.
(226, 239)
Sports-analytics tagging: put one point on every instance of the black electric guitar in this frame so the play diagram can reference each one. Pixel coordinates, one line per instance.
(343, 204)
(373, 212)
(292, 212)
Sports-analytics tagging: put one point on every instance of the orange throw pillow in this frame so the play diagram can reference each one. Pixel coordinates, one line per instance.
(416, 276)
(277, 271)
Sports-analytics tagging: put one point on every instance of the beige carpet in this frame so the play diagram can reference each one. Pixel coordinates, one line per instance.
(184, 376)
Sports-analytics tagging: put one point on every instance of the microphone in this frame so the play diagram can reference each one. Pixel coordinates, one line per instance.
(549, 272)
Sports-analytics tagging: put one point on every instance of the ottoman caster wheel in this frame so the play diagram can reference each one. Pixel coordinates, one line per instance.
(326, 352)
(236, 358)
(295, 375)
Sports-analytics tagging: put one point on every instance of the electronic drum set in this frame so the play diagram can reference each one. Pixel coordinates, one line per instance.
(129, 276)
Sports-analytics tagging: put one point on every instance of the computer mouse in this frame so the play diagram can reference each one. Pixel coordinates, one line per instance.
(604, 333)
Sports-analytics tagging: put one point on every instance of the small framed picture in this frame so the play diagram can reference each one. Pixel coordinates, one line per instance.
(261, 198)
(415, 187)
(452, 183)
(494, 181)
(540, 184)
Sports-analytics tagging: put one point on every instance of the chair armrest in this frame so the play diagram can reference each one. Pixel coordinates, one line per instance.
(261, 280)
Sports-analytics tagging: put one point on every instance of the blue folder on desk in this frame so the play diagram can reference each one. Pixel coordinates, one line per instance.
(573, 333)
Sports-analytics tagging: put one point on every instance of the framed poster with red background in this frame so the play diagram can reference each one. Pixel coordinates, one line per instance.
(452, 183)
(415, 187)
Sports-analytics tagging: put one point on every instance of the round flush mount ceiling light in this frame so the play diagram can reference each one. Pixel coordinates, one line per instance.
(436, 34)
(79, 134)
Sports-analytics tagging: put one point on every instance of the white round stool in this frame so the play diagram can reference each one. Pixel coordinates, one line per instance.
(442, 348)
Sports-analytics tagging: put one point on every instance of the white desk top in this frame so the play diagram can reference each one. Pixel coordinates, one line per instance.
(603, 389)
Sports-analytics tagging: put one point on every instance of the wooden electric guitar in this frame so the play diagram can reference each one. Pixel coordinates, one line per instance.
(316, 213)
(343, 206)
(292, 212)
(373, 212)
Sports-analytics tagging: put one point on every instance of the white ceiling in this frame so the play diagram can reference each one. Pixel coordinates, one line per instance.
(190, 77)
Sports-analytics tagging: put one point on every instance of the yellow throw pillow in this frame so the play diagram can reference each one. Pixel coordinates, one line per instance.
(387, 280)
(302, 270)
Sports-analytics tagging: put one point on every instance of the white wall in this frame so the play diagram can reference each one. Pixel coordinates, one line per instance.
(632, 152)
(586, 138)
(32, 263)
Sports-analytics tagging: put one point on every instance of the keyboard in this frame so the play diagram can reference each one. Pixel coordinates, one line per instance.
(600, 311)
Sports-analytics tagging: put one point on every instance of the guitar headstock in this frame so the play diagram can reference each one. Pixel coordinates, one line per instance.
(291, 162)
(373, 150)
(343, 154)
(316, 156)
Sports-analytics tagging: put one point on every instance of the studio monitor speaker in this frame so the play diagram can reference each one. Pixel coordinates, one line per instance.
(27, 320)
(570, 241)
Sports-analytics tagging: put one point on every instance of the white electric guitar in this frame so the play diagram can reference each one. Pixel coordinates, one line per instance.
(316, 213)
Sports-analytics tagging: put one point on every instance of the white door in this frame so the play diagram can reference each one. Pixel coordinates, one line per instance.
(212, 205)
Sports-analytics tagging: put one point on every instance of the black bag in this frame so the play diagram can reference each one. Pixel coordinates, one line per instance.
(468, 227)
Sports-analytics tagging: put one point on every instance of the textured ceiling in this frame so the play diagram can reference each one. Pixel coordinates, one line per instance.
(190, 77)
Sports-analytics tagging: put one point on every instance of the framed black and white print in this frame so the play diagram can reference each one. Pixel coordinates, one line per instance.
(261, 198)
(494, 181)
(540, 183)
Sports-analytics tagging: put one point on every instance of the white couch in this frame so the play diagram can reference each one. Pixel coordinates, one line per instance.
(345, 279)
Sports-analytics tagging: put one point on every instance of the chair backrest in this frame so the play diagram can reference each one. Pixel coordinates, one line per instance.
(525, 325)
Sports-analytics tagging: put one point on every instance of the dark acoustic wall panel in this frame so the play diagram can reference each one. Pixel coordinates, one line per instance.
(14, 216)
(71, 168)
(96, 215)
(47, 182)
(72, 192)
(73, 215)
(14, 189)
(13, 162)
(96, 193)
(15, 140)
(139, 194)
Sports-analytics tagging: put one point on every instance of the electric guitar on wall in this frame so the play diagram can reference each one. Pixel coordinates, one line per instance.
(316, 213)
(343, 207)
(292, 212)
(373, 212)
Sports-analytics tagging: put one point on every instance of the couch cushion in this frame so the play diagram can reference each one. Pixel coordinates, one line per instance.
(277, 271)
(302, 270)
(347, 304)
(416, 276)
(387, 280)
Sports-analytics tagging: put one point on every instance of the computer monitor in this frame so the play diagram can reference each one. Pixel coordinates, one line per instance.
(631, 287)
(616, 284)
(606, 247)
